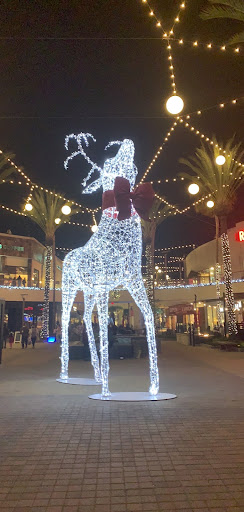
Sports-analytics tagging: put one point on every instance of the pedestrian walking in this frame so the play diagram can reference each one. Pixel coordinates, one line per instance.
(25, 335)
(33, 335)
(11, 339)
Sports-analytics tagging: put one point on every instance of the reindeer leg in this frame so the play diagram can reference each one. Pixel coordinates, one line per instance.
(102, 307)
(138, 293)
(69, 290)
(89, 301)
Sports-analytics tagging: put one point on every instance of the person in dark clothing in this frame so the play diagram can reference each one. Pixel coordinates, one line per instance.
(84, 338)
(19, 281)
(33, 335)
(25, 335)
(5, 335)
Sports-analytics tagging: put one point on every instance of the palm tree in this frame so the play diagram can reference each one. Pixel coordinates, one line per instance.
(220, 182)
(157, 215)
(230, 9)
(46, 212)
(6, 169)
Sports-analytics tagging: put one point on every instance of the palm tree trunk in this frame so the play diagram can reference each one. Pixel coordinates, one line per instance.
(45, 323)
(217, 271)
(54, 284)
(225, 244)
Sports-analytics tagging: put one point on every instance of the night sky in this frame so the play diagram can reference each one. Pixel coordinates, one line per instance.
(99, 66)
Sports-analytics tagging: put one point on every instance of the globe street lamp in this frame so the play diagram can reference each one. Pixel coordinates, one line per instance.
(193, 189)
(174, 105)
(66, 210)
(220, 160)
(28, 207)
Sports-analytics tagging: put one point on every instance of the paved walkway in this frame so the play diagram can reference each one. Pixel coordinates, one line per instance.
(61, 452)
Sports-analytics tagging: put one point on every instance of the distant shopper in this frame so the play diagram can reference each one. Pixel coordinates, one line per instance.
(25, 335)
(19, 281)
(33, 335)
(11, 339)
(14, 282)
(5, 335)
(57, 332)
(24, 282)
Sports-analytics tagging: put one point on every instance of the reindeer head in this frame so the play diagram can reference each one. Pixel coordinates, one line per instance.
(121, 164)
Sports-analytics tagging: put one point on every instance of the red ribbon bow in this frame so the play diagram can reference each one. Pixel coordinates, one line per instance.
(121, 197)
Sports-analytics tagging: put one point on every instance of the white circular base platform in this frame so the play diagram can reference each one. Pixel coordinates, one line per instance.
(79, 382)
(133, 396)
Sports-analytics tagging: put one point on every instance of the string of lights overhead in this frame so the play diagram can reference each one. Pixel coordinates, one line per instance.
(159, 151)
(206, 46)
(169, 35)
(34, 185)
(187, 246)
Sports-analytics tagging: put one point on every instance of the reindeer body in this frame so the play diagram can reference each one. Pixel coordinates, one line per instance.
(112, 257)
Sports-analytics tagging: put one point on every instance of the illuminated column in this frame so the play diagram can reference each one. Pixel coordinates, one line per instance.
(230, 302)
(45, 324)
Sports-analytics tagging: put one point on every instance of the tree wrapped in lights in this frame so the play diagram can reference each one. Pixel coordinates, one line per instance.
(157, 215)
(111, 258)
(46, 210)
(221, 183)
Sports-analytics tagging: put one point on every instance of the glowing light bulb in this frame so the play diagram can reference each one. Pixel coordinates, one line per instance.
(66, 210)
(174, 105)
(210, 204)
(94, 228)
(193, 189)
(28, 207)
(220, 160)
(57, 221)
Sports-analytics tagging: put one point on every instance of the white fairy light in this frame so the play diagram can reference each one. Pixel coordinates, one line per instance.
(111, 258)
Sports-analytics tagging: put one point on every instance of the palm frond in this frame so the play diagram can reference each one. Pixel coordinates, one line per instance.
(222, 12)
(221, 182)
(234, 4)
(46, 208)
(236, 39)
(6, 169)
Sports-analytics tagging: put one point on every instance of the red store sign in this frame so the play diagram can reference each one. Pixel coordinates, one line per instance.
(240, 235)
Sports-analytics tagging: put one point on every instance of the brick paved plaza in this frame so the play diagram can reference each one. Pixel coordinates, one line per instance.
(61, 452)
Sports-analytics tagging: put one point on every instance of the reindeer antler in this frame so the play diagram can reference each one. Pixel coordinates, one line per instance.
(79, 139)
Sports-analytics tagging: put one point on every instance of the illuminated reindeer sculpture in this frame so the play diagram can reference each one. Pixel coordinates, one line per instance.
(112, 257)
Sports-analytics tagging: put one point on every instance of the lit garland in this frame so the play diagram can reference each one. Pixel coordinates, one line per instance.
(34, 185)
(207, 139)
(230, 302)
(187, 246)
(177, 19)
(112, 257)
(220, 105)
(166, 138)
(171, 68)
(195, 285)
(169, 35)
(207, 46)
